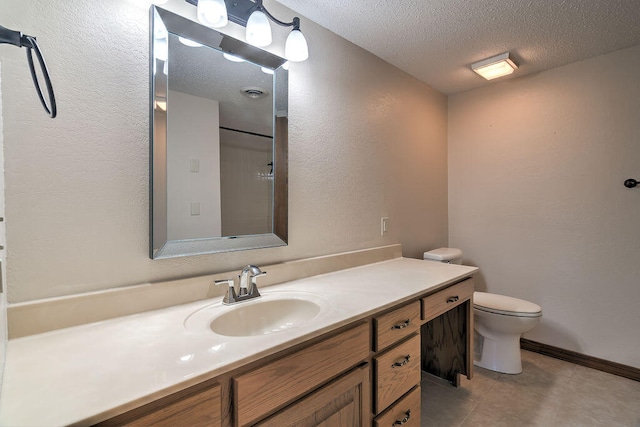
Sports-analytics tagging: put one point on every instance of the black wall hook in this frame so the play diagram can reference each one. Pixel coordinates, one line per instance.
(631, 183)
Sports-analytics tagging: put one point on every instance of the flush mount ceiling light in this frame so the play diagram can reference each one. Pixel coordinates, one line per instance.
(494, 67)
(255, 17)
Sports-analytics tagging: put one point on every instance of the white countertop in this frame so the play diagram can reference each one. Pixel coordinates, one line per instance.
(91, 372)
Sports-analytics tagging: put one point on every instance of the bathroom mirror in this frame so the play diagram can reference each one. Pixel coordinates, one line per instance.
(218, 126)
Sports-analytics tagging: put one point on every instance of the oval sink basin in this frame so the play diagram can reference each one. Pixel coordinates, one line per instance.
(264, 317)
(274, 311)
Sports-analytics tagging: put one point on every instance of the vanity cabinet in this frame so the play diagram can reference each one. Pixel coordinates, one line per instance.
(366, 373)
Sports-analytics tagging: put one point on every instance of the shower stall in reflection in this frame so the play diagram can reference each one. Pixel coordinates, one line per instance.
(219, 179)
(246, 178)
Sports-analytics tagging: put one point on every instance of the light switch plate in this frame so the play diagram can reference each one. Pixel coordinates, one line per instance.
(194, 165)
(195, 208)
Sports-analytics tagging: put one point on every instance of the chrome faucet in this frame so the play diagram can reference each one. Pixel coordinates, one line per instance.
(248, 286)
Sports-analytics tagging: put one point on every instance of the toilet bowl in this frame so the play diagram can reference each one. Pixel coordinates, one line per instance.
(499, 321)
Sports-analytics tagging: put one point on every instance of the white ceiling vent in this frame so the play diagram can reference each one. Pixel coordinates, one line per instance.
(254, 92)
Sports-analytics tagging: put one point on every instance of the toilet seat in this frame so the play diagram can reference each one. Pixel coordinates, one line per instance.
(504, 305)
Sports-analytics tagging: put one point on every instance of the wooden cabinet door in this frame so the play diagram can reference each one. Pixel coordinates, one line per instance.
(281, 382)
(341, 403)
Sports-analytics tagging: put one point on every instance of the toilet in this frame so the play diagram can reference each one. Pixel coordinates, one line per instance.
(499, 321)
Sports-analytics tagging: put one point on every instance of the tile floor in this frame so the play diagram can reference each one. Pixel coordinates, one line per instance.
(548, 393)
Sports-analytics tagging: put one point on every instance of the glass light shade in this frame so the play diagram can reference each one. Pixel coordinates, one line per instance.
(266, 70)
(258, 29)
(295, 48)
(212, 13)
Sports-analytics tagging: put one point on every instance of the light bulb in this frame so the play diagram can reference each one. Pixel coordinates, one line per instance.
(232, 58)
(161, 49)
(266, 70)
(258, 29)
(159, 30)
(295, 48)
(212, 13)
(188, 42)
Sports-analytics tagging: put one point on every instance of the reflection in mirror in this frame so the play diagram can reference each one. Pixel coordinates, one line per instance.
(218, 141)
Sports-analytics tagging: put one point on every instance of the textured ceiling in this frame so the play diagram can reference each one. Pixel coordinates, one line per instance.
(437, 40)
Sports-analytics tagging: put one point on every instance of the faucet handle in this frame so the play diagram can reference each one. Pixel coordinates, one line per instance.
(253, 291)
(231, 296)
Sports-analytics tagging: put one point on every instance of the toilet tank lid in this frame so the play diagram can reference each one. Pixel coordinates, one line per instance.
(504, 303)
(443, 254)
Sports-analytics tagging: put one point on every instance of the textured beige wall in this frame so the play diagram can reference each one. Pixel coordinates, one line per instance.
(536, 200)
(366, 141)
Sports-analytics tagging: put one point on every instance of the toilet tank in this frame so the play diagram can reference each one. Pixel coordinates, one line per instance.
(447, 255)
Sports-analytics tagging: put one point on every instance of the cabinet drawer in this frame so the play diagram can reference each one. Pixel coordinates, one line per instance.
(393, 326)
(446, 299)
(259, 392)
(396, 372)
(405, 412)
(198, 406)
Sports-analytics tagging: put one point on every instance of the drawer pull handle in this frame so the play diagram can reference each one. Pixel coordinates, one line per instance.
(453, 299)
(404, 362)
(402, 421)
(402, 325)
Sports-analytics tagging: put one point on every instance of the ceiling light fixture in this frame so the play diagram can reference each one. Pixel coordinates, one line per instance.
(255, 17)
(494, 67)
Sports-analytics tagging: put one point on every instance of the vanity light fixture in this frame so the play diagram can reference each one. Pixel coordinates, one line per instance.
(255, 17)
(494, 67)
